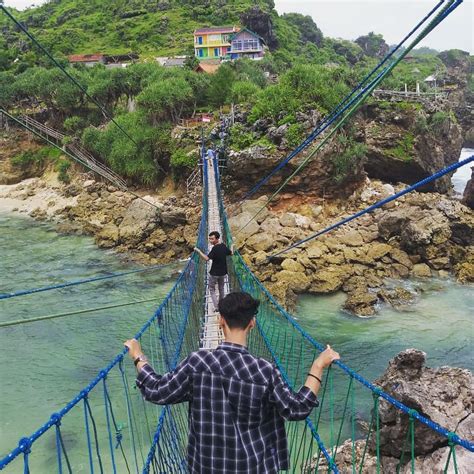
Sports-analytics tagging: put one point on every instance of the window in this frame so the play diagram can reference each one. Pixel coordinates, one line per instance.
(201, 53)
(225, 38)
(228, 49)
(251, 45)
(237, 45)
(199, 39)
(216, 52)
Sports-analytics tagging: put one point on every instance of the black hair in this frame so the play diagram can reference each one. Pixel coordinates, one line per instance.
(238, 309)
(215, 234)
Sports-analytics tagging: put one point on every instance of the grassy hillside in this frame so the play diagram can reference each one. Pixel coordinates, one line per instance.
(159, 27)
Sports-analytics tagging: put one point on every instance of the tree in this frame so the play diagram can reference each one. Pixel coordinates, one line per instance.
(309, 31)
(373, 45)
(166, 99)
(244, 92)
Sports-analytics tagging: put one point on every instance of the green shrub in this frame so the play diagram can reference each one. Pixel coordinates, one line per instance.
(346, 162)
(294, 135)
(404, 149)
(182, 163)
(241, 138)
(37, 157)
(62, 167)
(74, 124)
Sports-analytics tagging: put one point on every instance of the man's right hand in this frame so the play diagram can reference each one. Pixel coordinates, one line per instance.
(326, 358)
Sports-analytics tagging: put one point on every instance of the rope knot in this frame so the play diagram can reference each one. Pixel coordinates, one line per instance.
(412, 412)
(25, 445)
(102, 374)
(451, 435)
(376, 392)
(84, 393)
(55, 419)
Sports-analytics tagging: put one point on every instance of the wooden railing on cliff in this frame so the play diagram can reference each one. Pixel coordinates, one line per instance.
(80, 153)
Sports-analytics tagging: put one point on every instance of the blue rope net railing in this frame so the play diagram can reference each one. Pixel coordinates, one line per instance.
(344, 397)
(107, 426)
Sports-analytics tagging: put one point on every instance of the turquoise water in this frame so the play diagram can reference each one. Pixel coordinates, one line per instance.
(44, 364)
(441, 323)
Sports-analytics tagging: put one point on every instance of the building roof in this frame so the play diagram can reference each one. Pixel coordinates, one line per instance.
(179, 62)
(210, 67)
(82, 58)
(431, 78)
(237, 33)
(216, 29)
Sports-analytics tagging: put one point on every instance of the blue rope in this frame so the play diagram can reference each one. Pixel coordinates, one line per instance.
(89, 445)
(340, 108)
(112, 457)
(103, 373)
(378, 204)
(434, 426)
(86, 280)
(96, 438)
(129, 413)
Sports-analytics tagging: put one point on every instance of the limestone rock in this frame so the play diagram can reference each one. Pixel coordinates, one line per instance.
(468, 196)
(296, 281)
(465, 272)
(288, 219)
(329, 280)
(361, 303)
(292, 265)
(443, 395)
(260, 242)
(434, 463)
(138, 221)
(255, 206)
(401, 257)
(238, 222)
(421, 270)
(173, 217)
(108, 236)
(378, 250)
(352, 238)
(397, 297)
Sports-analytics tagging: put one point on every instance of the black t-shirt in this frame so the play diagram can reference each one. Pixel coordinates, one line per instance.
(218, 256)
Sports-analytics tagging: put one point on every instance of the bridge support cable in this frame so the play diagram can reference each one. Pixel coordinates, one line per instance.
(341, 107)
(444, 12)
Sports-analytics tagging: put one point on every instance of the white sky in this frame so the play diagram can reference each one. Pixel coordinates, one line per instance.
(352, 18)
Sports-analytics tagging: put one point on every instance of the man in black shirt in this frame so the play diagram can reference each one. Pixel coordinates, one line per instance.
(218, 255)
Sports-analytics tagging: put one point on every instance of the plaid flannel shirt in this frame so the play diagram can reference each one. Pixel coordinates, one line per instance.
(238, 407)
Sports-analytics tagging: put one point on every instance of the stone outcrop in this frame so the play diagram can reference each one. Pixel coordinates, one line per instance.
(158, 230)
(422, 236)
(443, 395)
(468, 195)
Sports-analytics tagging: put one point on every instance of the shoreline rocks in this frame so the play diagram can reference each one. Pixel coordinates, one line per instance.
(158, 233)
(420, 236)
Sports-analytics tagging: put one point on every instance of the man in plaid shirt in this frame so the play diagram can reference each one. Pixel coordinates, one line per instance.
(238, 403)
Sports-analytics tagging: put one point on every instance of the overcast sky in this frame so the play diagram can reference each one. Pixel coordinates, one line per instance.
(393, 18)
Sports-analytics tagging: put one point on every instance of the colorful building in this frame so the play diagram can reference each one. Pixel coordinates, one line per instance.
(213, 43)
(227, 42)
(246, 44)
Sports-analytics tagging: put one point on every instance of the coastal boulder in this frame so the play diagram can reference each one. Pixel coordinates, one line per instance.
(138, 221)
(468, 195)
(443, 395)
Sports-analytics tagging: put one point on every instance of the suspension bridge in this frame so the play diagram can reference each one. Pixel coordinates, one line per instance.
(107, 426)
